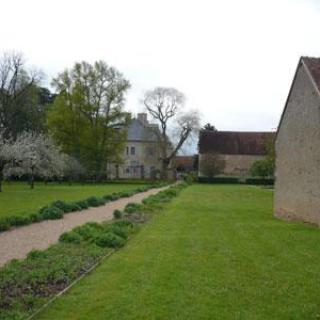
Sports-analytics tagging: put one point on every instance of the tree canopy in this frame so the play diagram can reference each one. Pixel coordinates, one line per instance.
(87, 117)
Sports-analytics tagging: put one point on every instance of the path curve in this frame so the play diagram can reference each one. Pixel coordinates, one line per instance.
(17, 243)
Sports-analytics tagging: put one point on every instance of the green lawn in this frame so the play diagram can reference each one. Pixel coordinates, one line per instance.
(18, 199)
(216, 252)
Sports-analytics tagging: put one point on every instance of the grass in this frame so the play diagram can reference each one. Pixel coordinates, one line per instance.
(26, 285)
(19, 200)
(215, 253)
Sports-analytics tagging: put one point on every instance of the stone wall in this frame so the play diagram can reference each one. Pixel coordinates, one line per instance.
(235, 165)
(297, 187)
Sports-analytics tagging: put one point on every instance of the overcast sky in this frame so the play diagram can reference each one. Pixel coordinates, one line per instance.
(233, 59)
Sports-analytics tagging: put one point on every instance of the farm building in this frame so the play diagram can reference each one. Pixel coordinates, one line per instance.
(239, 150)
(297, 188)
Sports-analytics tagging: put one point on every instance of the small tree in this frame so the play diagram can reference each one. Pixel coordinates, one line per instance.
(212, 164)
(265, 168)
(262, 168)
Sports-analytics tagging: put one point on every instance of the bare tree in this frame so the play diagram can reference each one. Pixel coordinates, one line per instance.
(212, 164)
(166, 105)
(18, 94)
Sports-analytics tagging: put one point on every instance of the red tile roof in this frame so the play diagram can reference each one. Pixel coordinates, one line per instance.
(230, 142)
(184, 162)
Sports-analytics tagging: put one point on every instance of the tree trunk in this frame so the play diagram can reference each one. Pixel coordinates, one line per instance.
(164, 169)
(32, 179)
(1, 178)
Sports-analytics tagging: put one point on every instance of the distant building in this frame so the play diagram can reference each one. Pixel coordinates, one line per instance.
(141, 155)
(297, 187)
(238, 149)
(184, 163)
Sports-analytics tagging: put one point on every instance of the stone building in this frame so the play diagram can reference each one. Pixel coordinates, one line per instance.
(297, 188)
(141, 155)
(238, 149)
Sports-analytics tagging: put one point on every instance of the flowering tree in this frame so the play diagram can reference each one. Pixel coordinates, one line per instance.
(36, 155)
(7, 155)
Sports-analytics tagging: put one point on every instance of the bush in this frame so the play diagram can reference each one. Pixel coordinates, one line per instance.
(4, 225)
(218, 180)
(83, 204)
(109, 240)
(35, 217)
(36, 254)
(19, 220)
(126, 194)
(89, 230)
(189, 179)
(65, 207)
(117, 214)
(132, 207)
(95, 202)
(122, 232)
(260, 181)
(51, 213)
(70, 237)
(114, 196)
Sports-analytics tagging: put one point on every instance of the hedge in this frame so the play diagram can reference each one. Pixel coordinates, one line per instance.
(235, 180)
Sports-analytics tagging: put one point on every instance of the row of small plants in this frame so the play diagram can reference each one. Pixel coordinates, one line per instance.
(58, 208)
(26, 285)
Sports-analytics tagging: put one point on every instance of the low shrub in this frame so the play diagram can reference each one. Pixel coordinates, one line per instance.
(95, 202)
(117, 214)
(110, 240)
(132, 207)
(83, 204)
(4, 225)
(19, 220)
(62, 205)
(89, 230)
(260, 181)
(108, 197)
(51, 213)
(189, 178)
(70, 237)
(114, 196)
(35, 217)
(126, 194)
(230, 180)
(37, 254)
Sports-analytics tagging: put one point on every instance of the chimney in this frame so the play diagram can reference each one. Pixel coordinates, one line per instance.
(142, 117)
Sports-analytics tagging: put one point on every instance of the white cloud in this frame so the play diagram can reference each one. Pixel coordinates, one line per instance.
(233, 59)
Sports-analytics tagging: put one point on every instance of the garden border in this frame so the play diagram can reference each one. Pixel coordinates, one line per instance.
(54, 212)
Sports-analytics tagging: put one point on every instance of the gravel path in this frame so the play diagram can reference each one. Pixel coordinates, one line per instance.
(16, 243)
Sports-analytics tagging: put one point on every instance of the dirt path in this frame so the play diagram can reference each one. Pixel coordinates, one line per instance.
(16, 243)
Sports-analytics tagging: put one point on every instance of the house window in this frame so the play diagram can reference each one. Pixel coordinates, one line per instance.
(127, 151)
(133, 151)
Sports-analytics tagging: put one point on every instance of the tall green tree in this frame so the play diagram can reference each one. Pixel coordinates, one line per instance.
(87, 117)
